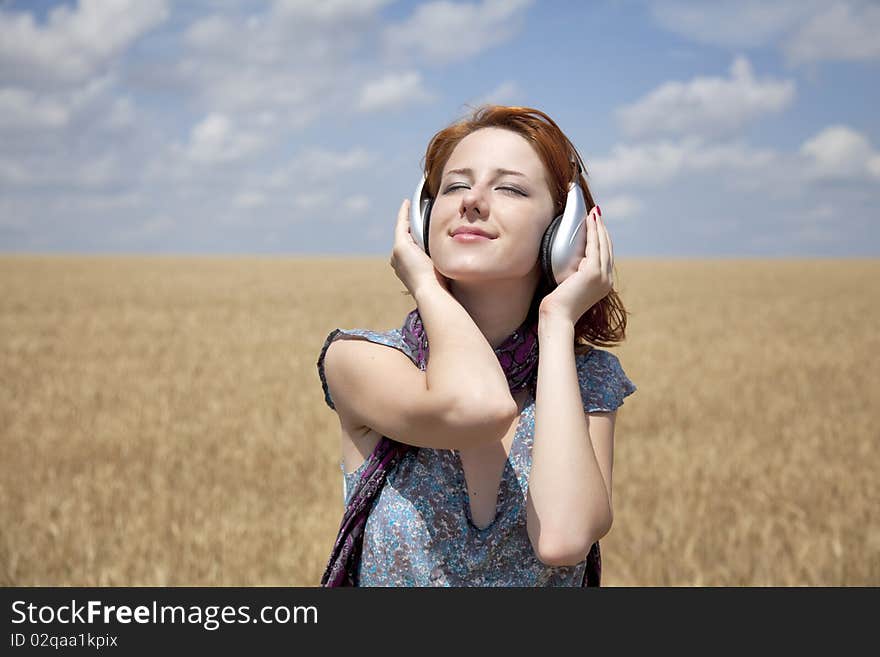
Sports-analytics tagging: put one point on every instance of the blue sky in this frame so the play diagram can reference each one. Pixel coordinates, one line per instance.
(722, 129)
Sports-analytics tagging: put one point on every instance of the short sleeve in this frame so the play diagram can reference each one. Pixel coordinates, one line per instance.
(391, 338)
(603, 382)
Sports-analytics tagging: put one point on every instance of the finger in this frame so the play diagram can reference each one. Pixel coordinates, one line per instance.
(610, 248)
(592, 250)
(603, 229)
(401, 228)
(603, 243)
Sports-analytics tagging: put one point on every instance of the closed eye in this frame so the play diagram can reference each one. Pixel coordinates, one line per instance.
(454, 187)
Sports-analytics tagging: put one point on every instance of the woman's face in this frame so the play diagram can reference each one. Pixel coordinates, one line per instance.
(493, 181)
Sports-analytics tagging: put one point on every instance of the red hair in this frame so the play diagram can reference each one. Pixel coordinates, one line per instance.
(605, 323)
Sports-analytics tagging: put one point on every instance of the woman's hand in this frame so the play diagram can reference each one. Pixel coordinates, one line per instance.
(410, 263)
(593, 279)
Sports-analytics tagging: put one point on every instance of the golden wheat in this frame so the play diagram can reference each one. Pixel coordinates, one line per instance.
(163, 422)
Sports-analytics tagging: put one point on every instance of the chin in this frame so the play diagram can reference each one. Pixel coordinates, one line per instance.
(467, 265)
(474, 273)
(465, 275)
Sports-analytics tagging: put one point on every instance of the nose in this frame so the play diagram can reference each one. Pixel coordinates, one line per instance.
(473, 203)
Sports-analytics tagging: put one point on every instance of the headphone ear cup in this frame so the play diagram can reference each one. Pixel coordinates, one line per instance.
(546, 247)
(426, 222)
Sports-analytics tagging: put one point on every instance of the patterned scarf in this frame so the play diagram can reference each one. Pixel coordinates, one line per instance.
(518, 356)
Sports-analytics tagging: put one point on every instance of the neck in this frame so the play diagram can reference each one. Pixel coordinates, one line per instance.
(498, 307)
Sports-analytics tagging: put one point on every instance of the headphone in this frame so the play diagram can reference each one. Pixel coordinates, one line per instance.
(563, 243)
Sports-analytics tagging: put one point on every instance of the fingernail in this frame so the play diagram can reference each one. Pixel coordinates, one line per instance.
(599, 210)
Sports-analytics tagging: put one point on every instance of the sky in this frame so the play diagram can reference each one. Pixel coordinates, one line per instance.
(297, 127)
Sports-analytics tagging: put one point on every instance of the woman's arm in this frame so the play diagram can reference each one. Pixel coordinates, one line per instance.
(462, 365)
(462, 399)
(463, 371)
(569, 496)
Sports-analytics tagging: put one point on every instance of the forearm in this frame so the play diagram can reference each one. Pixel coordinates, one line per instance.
(567, 502)
(462, 365)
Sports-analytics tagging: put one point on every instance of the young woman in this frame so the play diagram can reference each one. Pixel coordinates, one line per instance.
(485, 464)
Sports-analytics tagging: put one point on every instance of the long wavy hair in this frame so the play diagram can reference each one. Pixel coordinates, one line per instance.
(605, 323)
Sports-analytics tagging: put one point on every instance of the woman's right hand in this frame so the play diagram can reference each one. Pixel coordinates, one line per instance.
(410, 263)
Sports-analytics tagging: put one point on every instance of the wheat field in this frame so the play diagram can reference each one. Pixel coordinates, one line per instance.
(162, 421)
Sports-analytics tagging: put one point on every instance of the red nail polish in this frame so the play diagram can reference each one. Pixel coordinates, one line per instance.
(599, 210)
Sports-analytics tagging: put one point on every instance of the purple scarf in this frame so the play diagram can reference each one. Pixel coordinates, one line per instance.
(518, 356)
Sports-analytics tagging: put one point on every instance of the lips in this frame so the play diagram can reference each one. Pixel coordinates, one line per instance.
(472, 230)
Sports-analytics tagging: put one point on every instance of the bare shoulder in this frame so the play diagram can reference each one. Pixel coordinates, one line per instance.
(345, 358)
(363, 375)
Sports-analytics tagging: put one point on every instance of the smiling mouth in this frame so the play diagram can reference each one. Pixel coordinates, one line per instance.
(471, 230)
(471, 237)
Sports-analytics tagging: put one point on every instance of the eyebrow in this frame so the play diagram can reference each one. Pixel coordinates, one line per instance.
(500, 172)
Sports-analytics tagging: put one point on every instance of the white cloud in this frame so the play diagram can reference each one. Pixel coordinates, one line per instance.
(62, 171)
(24, 109)
(13, 173)
(216, 139)
(323, 164)
(805, 30)
(620, 207)
(644, 164)
(328, 11)
(251, 89)
(250, 199)
(98, 172)
(313, 201)
(21, 108)
(732, 23)
(209, 33)
(504, 94)
(657, 163)
(393, 91)
(357, 204)
(291, 62)
(446, 31)
(74, 43)
(706, 105)
(842, 153)
(339, 214)
(317, 165)
(121, 113)
(836, 153)
(842, 31)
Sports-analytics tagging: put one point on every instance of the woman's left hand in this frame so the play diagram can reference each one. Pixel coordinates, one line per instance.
(593, 279)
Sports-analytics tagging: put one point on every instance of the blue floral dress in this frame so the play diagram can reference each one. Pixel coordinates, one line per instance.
(420, 531)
